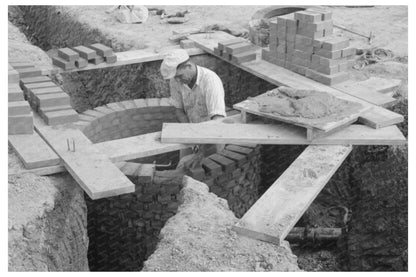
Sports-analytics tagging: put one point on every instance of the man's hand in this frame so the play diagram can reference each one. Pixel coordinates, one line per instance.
(181, 116)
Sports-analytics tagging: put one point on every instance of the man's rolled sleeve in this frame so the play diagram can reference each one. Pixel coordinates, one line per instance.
(175, 96)
(214, 96)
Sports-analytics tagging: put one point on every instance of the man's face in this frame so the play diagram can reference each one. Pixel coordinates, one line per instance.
(184, 74)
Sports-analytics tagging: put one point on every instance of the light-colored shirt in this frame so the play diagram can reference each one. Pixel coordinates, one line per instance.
(204, 100)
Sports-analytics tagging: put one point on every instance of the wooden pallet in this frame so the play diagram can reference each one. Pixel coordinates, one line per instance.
(315, 128)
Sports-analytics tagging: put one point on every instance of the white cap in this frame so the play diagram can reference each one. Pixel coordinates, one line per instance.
(171, 62)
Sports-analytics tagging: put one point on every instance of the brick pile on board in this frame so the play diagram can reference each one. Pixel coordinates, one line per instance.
(304, 42)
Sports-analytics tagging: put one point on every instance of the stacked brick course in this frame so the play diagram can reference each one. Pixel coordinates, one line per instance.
(303, 42)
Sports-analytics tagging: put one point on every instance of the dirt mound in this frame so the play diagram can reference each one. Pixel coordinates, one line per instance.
(199, 238)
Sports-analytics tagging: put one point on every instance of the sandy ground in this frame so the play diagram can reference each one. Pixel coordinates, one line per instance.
(387, 23)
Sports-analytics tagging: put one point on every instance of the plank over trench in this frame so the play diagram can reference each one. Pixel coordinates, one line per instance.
(280, 133)
(93, 171)
(33, 151)
(272, 217)
(134, 57)
(282, 77)
(136, 147)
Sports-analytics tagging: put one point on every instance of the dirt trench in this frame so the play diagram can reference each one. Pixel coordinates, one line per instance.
(361, 184)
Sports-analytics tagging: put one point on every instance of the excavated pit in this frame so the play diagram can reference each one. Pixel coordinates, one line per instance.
(124, 231)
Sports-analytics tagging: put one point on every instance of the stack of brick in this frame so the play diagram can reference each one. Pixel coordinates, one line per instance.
(80, 56)
(49, 100)
(20, 114)
(303, 42)
(236, 50)
(21, 69)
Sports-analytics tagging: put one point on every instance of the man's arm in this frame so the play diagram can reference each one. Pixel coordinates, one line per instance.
(217, 117)
(214, 98)
(181, 116)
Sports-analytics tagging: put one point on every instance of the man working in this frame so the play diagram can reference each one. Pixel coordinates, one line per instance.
(196, 92)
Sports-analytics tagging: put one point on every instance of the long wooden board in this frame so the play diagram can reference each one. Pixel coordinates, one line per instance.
(33, 151)
(136, 147)
(133, 57)
(93, 171)
(282, 77)
(272, 217)
(280, 133)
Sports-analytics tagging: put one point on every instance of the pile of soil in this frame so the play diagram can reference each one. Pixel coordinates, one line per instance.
(199, 238)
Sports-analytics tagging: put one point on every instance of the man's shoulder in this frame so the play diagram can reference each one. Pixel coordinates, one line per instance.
(208, 73)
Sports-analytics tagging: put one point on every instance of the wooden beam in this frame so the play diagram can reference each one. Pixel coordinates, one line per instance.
(33, 151)
(93, 171)
(136, 147)
(282, 77)
(272, 217)
(220, 133)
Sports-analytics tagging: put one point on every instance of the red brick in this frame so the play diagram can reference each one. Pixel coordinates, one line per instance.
(101, 49)
(65, 65)
(239, 47)
(217, 51)
(19, 108)
(96, 60)
(19, 65)
(244, 57)
(85, 52)
(52, 99)
(22, 124)
(308, 16)
(238, 158)
(346, 52)
(81, 63)
(27, 87)
(110, 59)
(226, 164)
(329, 54)
(187, 43)
(327, 79)
(37, 79)
(211, 168)
(15, 96)
(68, 54)
(335, 43)
(60, 117)
(54, 108)
(222, 44)
(240, 149)
(29, 72)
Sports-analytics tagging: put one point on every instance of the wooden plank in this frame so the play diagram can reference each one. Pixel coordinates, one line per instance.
(136, 147)
(367, 94)
(133, 57)
(282, 77)
(93, 171)
(220, 133)
(33, 151)
(272, 217)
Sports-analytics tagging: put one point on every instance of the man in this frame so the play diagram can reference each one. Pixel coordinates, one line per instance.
(196, 92)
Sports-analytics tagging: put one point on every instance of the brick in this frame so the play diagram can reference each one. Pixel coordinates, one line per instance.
(211, 167)
(22, 124)
(18, 108)
(196, 173)
(346, 52)
(19, 65)
(101, 49)
(187, 43)
(44, 110)
(308, 16)
(329, 54)
(310, 34)
(114, 107)
(104, 110)
(239, 47)
(222, 44)
(15, 96)
(244, 57)
(85, 52)
(65, 65)
(302, 55)
(301, 62)
(128, 104)
(327, 79)
(318, 26)
(96, 60)
(217, 51)
(28, 87)
(299, 69)
(38, 91)
(153, 102)
(140, 103)
(328, 62)
(110, 59)
(29, 72)
(52, 99)
(306, 41)
(68, 54)
(60, 117)
(165, 102)
(81, 63)
(226, 164)
(328, 70)
(38, 79)
(281, 48)
(238, 158)
(344, 66)
(335, 43)
(325, 14)
(328, 31)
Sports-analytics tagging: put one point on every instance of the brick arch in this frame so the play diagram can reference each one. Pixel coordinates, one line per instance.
(126, 118)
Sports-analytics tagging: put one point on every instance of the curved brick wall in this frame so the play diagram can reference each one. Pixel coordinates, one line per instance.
(124, 230)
